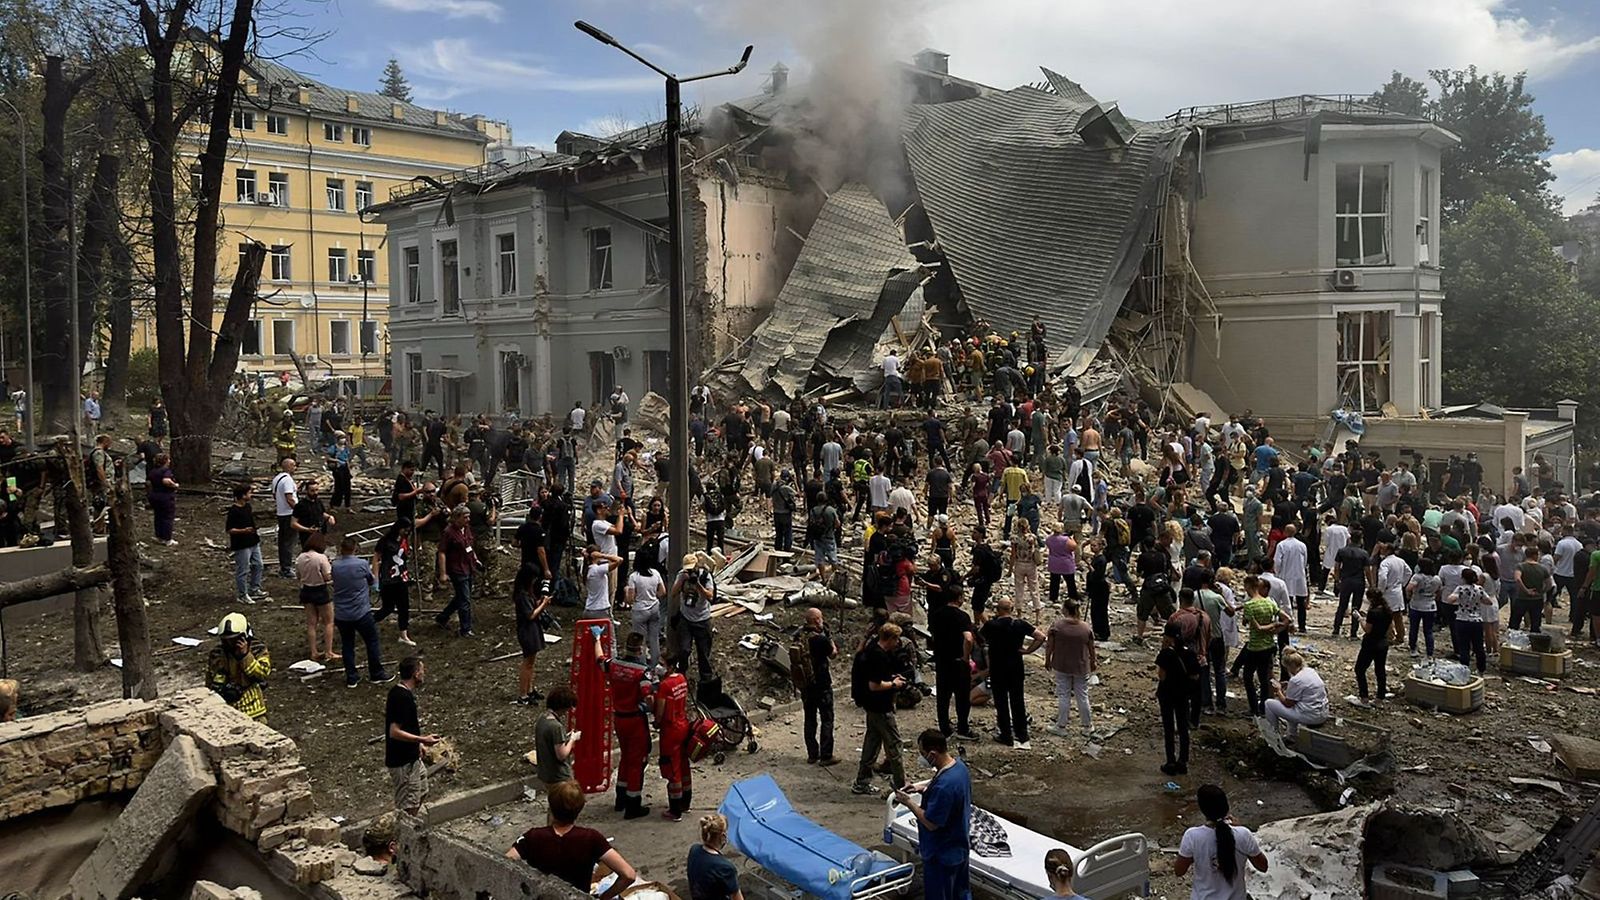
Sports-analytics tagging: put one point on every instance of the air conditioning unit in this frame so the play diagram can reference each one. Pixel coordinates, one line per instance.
(1347, 279)
(621, 353)
(355, 279)
(266, 200)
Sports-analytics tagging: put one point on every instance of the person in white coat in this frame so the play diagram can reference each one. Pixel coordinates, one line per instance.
(1289, 560)
(1335, 537)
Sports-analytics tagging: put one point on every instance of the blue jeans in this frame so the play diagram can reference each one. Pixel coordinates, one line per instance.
(461, 603)
(368, 630)
(941, 881)
(247, 571)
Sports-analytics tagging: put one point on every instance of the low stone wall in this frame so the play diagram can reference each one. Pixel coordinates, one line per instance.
(441, 867)
(59, 759)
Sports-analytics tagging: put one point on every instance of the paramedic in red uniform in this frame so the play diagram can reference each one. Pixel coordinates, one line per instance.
(672, 717)
(629, 678)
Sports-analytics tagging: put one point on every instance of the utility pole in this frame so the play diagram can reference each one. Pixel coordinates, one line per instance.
(677, 310)
(27, 277)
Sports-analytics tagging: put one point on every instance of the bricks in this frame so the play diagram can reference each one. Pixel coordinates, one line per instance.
(308, 865)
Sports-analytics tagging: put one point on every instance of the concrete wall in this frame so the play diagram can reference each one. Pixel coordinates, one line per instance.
(437, 865)
(17, 563)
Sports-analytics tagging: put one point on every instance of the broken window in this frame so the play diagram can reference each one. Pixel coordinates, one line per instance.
(599, 260)
(1426, 397)
(282, 270)
(602, 375)
(506, 260)
(414, 379)
(339, 337)
(1361, 215)
(412, 259)
(278, 188)
(250, 344)
(450, 277)
(282, 336)
(510, 381)
(245, 185)
(656, 371)
(1364, 353)
(1425, 218)
(657, 256)
(369, 337)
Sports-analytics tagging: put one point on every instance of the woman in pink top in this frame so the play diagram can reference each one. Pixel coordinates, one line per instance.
(1062, 562)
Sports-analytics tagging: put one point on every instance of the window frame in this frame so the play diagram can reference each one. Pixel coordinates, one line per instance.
(414, 377)
(292, 336)
(276, 180)
(510, 380)
(252, 328)
(657, 255)
(367, 342)
(241, 177)
(338, 265)
(367, 265)
(333, 336)
(448, 279)
(333, 132)
(244, 119)
(363, 188)
(281, 120)
(1427, 327)
(411, 272)
(280, 262)
(1383, 369)
(336, 195)
(602, 276)
(1427, 187)
(356, 134)
(502, 271)
(1358, 218)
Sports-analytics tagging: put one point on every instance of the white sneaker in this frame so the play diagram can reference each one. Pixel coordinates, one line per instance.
(1058, 731)
(408, 642)
(1022, 745)
(172, 543)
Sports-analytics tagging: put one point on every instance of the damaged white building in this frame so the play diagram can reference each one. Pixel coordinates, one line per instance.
(1279, 256)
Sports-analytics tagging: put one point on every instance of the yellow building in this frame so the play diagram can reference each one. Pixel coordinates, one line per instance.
(304, 160)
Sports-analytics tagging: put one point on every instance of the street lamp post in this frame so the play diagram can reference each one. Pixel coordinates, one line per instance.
(27, 274)
(678, 319)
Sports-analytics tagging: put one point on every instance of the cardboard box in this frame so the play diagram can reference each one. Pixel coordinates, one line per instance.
(1542, 665)
(1452, 698)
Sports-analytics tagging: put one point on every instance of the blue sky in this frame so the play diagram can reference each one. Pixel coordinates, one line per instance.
(522, 61)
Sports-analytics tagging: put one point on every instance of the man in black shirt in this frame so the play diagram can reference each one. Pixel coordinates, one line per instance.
(1224, 535)
(881, 677)
(952, 642)
(1005, 638)
(939, 483)
(985, 570)
(246, 547)
(531, 538)
(403, 739)
(405, 491)
(817, 697)
(1351, 563)
(310, 516)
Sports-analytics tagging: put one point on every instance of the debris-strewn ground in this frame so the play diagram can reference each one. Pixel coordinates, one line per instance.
(1079, 789)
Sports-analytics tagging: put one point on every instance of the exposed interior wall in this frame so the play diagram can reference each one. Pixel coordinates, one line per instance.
(437, 865)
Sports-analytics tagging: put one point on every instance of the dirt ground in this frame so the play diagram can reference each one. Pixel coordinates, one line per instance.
(1079, 790)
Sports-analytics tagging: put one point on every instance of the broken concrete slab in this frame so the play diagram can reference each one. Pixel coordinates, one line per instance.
(210, 890)
(176, 788)
(1580, 755)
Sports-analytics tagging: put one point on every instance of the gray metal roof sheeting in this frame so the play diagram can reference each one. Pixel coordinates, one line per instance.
(332, 101)
(839, 278)
(1032, 220)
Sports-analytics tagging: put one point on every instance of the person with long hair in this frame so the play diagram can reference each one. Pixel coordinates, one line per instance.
(1217, 850)
(314, 571)
(530, 597)
(391, 559)
(646, 587)
(711, 876)
(1058, 870)
(1177, 670)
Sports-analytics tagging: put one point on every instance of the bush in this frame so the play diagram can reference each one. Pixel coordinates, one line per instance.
(143, 381)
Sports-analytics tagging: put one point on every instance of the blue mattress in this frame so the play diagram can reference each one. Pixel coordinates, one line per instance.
(764, 827)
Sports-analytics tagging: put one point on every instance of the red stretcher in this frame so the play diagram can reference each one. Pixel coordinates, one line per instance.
(591, 756)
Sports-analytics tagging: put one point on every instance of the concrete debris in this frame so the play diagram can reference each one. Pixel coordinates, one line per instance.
(652, 416)
(1580, 755)
(210, 890)
(127, 857)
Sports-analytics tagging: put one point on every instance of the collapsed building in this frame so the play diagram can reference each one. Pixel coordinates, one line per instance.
(1279, 257)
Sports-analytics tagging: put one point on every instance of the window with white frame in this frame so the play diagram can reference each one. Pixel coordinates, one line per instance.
(510, 381)
(657, 255)
(1365, 351)
(506, 261)
(339, 337)
(599, 259)
(414, 379)
(363, 195)
(278, 188)
(338, 265)
(250, 343)
(244, 120)
(361, 136)
(1425, 194)
(1425, 371)
(367, 265)
(336, 194)
(369, 337)
(411, 258)
(196, 180)
(244, 250)
(278, 257)
(277, 123)
(450, 277)
(333, 131)
(244, 183)
(282, 336)
(1361, 215)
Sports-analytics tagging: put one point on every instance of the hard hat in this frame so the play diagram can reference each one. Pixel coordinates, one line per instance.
(233, 625)
(1030, 370)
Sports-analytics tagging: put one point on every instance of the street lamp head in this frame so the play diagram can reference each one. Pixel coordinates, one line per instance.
(745, 59)
(595, 33)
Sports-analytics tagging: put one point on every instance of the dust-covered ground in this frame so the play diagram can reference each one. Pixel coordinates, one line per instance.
(1079, 790)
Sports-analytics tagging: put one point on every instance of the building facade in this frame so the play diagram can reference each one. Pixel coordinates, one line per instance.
(305, 162)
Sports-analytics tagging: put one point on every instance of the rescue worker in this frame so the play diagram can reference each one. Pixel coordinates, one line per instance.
(238, 667)
(672, 718)
(284, 441)
(629, 681)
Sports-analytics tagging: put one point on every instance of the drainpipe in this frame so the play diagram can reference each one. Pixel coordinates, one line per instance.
(311, 248)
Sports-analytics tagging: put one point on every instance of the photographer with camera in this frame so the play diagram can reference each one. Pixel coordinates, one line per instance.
(694, 590)
(238, 667)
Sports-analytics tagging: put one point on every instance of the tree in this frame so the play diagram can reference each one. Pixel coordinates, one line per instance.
(1405, 96)
(394, 82)
(1515, 332)
(54, 359)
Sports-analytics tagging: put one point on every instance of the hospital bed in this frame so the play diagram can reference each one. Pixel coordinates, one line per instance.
(1008, 860)
(764, 827)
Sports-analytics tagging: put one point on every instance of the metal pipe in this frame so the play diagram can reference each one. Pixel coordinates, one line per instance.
(27, 276)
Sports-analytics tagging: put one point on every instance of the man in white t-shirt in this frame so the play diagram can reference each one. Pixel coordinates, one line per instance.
(890, 392)
(597, 584)
(576, 415)
(284, 498)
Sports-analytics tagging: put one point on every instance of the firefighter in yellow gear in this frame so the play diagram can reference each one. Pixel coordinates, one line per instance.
(238, 667)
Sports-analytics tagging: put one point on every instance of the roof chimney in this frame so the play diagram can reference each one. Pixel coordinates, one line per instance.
(397, 111)
(351, 104)
(780, 79)
(932, 60)
(440, 117)
(302, 95)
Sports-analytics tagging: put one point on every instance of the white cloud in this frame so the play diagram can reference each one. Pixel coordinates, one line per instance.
(1577, 179)
(456, 65)
(1168, 54)
(452, 9)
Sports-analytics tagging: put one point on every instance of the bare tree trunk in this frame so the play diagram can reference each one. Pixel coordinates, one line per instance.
(101, 221)
(53, 359)
(43, 587)
(88, 654)
(133, 632)
(119, 321)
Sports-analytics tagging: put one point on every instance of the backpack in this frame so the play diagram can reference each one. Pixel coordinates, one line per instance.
(713, 502)
(800, 670)
(883, 575)
(859, 689)
(1124, 533)
(817, 525)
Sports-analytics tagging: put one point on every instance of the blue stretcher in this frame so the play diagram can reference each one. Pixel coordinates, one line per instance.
(764, 827)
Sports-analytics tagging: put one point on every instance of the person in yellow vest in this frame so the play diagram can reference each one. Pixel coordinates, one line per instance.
(239, 666)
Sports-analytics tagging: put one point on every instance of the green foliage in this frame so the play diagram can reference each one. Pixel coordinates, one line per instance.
(394, 82)
(1516, 324)
(144, 383)
(1403, 95)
